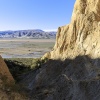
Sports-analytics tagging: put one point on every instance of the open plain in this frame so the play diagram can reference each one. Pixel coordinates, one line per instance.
(25, 48)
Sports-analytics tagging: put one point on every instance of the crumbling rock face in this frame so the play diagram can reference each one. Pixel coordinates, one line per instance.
(73, 71)
(8, 89)
(71, 79)
(4, 71)
(82, 35)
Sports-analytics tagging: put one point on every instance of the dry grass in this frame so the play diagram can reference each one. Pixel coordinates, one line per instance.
(25, 48)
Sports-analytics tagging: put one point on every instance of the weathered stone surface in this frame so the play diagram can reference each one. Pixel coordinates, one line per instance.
(82, 35)
(4, 71)
(72, 79)
(74, 74)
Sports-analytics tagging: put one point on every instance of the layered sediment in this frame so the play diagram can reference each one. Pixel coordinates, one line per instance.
(82, 35)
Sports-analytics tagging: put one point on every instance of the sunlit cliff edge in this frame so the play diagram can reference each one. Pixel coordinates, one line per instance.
(82, 35)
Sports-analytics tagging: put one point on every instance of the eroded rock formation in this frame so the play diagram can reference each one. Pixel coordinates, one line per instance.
(4, 71)
(82, 35)
(73, 71)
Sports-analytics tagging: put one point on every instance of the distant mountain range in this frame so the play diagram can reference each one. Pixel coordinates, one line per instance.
(36, 34)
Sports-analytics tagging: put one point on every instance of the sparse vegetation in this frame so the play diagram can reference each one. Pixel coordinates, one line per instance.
(26, 48)
(19, 66)
(37, 63)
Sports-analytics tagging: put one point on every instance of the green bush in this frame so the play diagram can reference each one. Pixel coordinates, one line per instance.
(37, 63)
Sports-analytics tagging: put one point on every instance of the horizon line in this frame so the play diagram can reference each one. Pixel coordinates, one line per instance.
(46, 30)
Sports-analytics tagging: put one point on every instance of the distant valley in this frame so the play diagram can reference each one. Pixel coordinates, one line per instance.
(36, 34)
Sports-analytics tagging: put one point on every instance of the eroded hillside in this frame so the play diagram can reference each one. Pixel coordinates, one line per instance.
(72, 71)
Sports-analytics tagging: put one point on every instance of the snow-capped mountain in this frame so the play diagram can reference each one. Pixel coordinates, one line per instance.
(37, 33)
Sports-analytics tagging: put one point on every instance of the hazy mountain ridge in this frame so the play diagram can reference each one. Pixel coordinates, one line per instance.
(36, 33)
(71, 70)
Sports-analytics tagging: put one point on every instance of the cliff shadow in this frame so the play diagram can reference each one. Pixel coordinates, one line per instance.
(62, 78)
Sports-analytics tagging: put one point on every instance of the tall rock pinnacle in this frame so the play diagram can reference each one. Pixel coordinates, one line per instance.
(82, 35)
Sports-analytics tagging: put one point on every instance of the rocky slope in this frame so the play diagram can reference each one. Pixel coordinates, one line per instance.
(74, 74)
(8, 89)
(73, 69)
(37, 34)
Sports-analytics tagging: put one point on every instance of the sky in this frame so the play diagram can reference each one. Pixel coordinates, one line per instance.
(35, 14)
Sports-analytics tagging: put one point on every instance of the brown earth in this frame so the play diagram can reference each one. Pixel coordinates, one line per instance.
(8, 89)
(5, 71)
(75, 72)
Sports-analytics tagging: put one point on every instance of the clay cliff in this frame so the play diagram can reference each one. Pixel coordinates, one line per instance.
(82, 35)
(4, 71)
(73, 71)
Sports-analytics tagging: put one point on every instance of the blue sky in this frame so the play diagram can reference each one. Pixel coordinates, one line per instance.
(34, 14)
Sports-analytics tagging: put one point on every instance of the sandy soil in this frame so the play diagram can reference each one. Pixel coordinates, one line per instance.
(25, 48)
